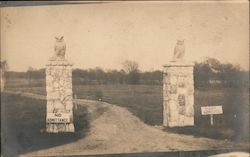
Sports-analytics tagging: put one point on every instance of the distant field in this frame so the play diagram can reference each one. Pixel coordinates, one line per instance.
(145, 101)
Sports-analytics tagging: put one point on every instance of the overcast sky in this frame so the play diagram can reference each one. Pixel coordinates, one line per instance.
(106, 34)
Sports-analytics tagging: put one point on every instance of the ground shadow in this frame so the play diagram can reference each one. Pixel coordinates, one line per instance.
(214, 132)
(23, 126)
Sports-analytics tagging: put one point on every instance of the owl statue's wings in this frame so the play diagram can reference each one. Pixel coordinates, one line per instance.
(60, 48)
(179, 50)
(175, 49)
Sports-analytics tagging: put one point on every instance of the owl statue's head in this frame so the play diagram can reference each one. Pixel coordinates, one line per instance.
(180, 42)
(59, 38)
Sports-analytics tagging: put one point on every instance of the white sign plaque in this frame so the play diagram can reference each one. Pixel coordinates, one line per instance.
(208, 110)
(58, 118)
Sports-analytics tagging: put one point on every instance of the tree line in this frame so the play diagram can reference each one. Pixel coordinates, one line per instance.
(210, 73)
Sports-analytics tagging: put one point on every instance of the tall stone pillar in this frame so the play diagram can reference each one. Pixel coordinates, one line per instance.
(178, 90)
(59, 116)
(178, 94)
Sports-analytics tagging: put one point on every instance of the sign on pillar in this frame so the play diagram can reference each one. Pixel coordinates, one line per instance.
(59, 116)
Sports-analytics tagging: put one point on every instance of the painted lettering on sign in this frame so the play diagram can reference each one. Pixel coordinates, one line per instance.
(208, 110)
(58, 118)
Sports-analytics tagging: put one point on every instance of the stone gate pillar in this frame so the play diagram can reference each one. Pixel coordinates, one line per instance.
(59, 116)
(178, 94)
(178, 90)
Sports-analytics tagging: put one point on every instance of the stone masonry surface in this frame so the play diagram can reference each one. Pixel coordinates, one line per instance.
(178, 94)
(59, 94)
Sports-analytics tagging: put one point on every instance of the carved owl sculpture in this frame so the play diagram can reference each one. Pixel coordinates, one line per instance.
(60, 48)
(179, 50)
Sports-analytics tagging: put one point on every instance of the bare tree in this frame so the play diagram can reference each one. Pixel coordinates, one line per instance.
(132, 70)
(130, 66)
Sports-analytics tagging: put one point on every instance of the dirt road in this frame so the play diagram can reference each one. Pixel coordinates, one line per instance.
(114, 129)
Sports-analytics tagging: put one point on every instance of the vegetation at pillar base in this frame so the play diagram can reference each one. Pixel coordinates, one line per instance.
(209, 73)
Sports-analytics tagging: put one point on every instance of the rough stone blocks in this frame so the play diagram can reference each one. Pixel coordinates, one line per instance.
(59, 96)
(178, 94)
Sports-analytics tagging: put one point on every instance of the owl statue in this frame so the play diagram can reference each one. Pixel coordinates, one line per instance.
(60, 48)
(179, 50)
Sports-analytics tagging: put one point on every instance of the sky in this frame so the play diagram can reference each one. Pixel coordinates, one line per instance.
(106, 34)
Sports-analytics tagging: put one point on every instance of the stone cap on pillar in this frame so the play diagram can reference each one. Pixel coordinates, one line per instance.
(59, 62)
(179, 64)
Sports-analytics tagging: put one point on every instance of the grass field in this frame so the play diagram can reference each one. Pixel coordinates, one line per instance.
(145, 102)
(23, 124)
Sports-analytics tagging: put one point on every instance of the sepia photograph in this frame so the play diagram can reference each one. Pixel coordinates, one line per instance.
(124, 78)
